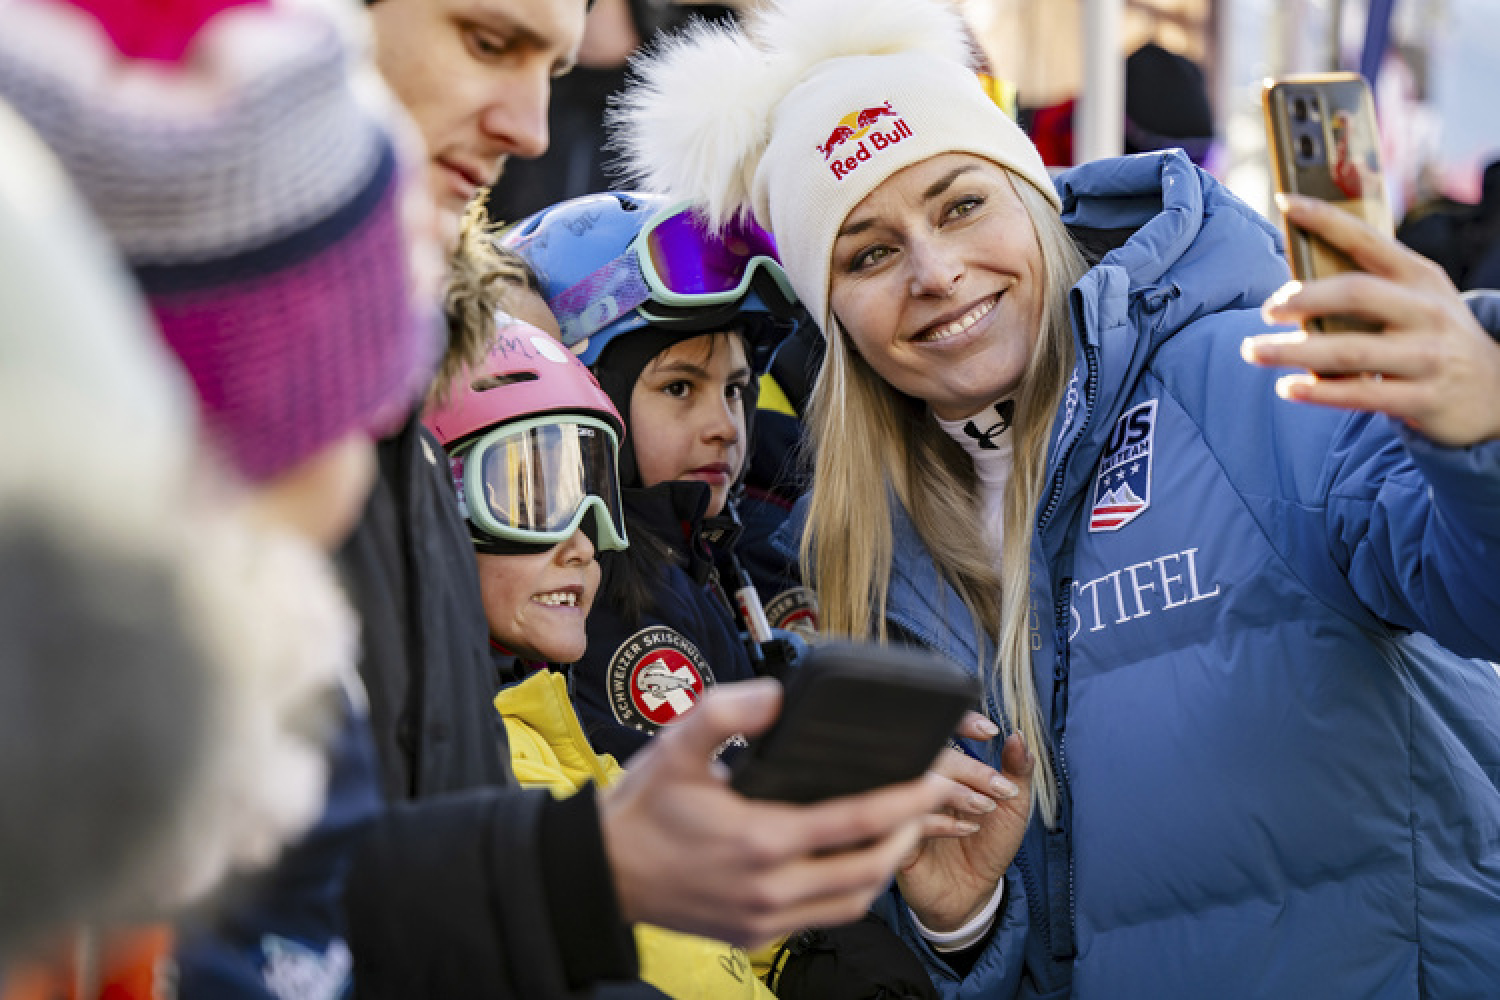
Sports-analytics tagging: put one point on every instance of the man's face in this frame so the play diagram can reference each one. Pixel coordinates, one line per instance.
(476, 76)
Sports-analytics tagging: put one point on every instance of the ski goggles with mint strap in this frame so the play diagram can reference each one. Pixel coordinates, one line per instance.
(533, 482)
(676, 262)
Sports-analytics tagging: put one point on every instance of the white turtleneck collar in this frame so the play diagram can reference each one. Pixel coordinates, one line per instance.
(986, 437)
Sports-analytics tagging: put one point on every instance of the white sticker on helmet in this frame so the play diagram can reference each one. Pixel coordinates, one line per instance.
(549, 349)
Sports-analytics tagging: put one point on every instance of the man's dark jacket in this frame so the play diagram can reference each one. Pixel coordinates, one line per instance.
(467, 885)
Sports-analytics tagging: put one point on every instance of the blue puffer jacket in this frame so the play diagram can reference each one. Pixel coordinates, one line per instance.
(1274, 785)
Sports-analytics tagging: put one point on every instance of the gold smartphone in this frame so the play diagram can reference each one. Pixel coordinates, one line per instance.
(1324, 143)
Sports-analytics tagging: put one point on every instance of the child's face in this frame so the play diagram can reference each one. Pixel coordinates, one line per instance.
(537, 605)
(687, 414)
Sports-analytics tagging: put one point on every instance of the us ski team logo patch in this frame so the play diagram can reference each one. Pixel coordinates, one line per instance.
(654, 677)
(1122, 488)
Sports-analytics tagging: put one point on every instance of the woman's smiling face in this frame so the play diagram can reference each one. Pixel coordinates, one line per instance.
(938, 280)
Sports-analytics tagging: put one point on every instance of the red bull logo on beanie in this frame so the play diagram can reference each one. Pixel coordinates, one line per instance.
(856, 139)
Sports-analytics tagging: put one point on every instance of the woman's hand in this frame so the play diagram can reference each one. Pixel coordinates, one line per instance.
(759, 869)
(1432, 365)
(968, 847)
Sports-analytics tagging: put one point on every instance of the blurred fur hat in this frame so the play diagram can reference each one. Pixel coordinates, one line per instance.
(161, 655)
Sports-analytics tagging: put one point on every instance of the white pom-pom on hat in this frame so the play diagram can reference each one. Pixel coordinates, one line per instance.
(808, 32)
(699, 118)
(698, 115)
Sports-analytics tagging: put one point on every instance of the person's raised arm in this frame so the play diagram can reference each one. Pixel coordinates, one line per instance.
(1432, 365)
(1409, 524)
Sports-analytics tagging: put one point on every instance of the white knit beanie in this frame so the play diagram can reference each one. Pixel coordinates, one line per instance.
(805, 111)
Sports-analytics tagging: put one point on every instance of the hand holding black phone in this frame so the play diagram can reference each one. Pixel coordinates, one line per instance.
(856, 716)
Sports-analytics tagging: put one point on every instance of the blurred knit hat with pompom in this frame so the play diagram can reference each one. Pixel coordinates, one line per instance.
(245, 163)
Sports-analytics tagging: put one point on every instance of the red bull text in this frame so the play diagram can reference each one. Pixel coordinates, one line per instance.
(858, 128)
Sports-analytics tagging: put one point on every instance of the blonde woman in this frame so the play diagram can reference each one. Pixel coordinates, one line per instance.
(1204, 604)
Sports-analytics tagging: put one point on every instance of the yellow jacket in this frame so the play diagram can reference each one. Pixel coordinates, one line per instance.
(548, 749)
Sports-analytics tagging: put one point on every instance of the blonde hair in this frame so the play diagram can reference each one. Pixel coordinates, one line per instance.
(482, 277)
(858, 422)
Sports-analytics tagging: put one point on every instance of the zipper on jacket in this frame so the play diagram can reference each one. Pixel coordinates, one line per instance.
(1060, 839)
(1033, 897)
(1058, 854)
(1090, 392)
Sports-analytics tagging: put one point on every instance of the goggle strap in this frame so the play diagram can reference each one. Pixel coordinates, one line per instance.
(601, 298)
(456, 466)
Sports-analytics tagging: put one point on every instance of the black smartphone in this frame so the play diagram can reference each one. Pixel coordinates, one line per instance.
(1324, 143)
(856, 716)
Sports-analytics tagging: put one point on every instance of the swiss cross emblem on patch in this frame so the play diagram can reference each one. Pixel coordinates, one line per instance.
(654, 677)
(1122, 487)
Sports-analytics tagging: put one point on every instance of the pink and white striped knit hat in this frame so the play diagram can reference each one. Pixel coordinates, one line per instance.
(248, 173)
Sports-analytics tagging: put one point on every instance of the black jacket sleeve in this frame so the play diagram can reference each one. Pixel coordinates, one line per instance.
(449, 893)
(449, 897)
(409, 569)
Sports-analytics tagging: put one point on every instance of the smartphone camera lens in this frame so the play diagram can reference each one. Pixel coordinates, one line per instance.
(1307, 145)
(1309, 148)
(1299, 109)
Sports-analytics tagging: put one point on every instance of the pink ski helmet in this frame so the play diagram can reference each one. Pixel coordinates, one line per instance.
(526, 374)
(533, 446)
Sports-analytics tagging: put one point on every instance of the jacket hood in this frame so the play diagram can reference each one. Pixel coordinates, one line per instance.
(1183, 248)
(1183, 226)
